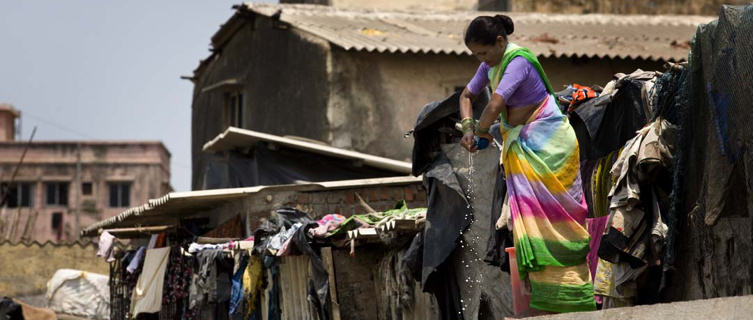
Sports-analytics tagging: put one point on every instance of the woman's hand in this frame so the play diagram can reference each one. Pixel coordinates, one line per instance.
(486, 136)
(467, 142)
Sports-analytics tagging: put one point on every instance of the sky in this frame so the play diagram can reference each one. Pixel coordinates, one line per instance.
(107, 70)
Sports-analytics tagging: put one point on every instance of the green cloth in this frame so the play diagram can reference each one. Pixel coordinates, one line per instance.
(355, 221)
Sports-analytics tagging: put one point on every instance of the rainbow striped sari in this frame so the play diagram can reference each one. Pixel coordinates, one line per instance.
(547, 205)
(548, 210)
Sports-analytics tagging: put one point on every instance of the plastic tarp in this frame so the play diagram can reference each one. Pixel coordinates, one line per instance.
(79, 293)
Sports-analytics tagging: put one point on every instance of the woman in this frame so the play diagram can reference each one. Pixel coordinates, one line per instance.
(540, 157)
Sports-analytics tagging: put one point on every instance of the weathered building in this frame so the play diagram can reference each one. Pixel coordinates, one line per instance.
(446, 5)
(62, 186)
(650, 7)
(356, 79)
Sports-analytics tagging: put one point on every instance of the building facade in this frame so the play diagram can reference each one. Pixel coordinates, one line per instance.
(61, 186)
(356, 79)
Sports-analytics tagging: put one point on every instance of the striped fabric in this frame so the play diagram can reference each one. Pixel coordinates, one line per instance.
(548, 210)
(547, 205)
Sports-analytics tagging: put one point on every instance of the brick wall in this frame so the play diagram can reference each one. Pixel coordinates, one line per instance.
(346, 203)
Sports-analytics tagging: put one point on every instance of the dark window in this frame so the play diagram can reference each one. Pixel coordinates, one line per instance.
(86, 188)
(57, 193)
(57, 220)
(120, 194)
(234, 109)
(18, 194)
(57, 224)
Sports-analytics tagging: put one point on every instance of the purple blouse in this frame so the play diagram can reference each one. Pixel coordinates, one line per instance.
(520, 86)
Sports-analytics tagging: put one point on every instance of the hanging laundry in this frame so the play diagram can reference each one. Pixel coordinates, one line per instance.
(136, 261)
(326, 224)
(635, 230)
(106, 242)
(147, 296)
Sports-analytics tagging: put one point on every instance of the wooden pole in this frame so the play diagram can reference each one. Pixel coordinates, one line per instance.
(329, 264)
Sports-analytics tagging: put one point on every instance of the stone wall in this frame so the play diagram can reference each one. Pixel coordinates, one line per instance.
(26, 268)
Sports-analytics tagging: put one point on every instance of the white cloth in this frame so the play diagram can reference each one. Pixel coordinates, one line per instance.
(106, 241)
(147, 295)
(195, 247)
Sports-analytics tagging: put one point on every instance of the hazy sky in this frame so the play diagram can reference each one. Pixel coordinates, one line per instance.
(107, 70)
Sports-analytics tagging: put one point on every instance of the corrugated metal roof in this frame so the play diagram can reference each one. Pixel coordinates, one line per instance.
(549, 35)
(241, 138)
(178, 204)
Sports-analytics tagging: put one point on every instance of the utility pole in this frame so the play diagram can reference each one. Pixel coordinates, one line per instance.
(77, 188)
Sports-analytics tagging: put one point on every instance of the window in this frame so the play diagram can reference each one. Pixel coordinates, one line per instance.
(120, 194)
(57, 225)
(86, 188)
(19, 194)
(234, 109)
(57, 193)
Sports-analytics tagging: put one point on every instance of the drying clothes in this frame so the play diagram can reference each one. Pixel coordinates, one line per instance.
(236, 295)
(193, 248)
(285, 236)
(377, 219)
(603, 124)
(252, 284)
(177, 284)
(147, 296)
(628, 226)
(178, 277)
(615, 284)
(152, 242)
(136, 261)
(548, 210)
(106, 241)
(580, 94)
(601, 183)
(326, 224)
(596, 228)
(203, 281)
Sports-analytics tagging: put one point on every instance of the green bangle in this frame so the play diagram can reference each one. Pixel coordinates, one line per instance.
(467, 124)
(482, 130)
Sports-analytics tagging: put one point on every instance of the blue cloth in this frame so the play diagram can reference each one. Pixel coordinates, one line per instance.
(236, 295)
(136, 262)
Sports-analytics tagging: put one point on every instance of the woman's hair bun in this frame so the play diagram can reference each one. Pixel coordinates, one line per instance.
(506, 22)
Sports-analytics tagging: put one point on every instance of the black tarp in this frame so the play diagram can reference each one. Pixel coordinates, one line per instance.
(10, 310)
(498, 239)
(448, 211)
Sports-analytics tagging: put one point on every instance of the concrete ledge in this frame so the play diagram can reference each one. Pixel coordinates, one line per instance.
(718, 308)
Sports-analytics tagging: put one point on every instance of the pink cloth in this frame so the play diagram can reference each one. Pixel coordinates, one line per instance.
(596, 228)
(106, 241)
(327, 223)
